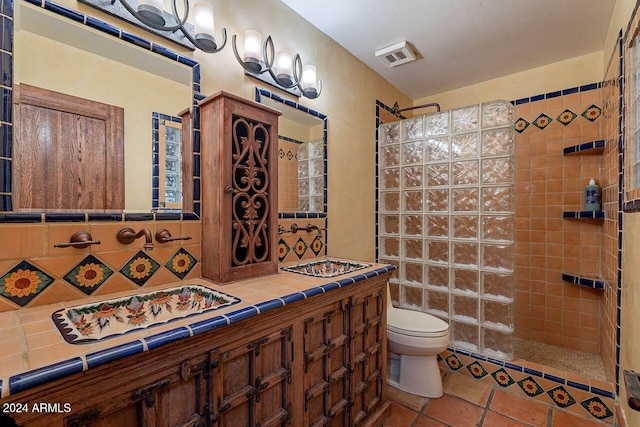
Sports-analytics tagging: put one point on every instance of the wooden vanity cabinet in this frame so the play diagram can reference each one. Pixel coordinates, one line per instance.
(317, 362)
(239, 170)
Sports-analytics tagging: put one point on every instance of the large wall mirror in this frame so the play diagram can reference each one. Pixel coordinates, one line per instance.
(54, 53)
(302, 156)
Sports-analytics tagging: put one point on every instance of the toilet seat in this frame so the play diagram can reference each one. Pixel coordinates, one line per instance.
(415, 324)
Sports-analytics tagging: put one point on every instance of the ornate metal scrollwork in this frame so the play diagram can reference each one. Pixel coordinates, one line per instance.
(250, 182)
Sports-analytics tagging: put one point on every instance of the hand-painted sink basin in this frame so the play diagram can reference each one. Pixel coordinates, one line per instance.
(325, 268)
(110, 318)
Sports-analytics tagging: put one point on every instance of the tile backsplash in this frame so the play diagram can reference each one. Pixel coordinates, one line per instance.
(33, 272)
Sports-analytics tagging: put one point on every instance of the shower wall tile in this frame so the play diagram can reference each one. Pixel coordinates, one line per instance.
(548, 183)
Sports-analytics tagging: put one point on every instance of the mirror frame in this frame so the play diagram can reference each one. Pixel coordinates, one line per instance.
(6, 128)
(259, 93)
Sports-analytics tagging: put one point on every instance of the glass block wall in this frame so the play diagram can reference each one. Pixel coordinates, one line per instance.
(446, 219)
(311, 176)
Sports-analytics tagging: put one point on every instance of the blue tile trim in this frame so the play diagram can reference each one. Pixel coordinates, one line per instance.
(114, 353)
(206, 325)
(313, 291)
(557, 93)
(330, 286)
(7, 45)
(243, 313)
(269, 305)
(291, 298)
(138, 216)
(533, 372)
(30, 379)
(578, 385)
(553, 378)
(582, 281)
(583, 214)
(601, 392)
(65, 217)
(301, 215)
(586, 147)
(167, 216)
(104, 217)
(155, 341)
(20, 217)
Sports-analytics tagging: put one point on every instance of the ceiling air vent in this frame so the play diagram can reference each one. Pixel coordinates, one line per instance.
(397, 54)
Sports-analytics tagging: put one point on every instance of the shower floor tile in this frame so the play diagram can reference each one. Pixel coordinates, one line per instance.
(577, 362)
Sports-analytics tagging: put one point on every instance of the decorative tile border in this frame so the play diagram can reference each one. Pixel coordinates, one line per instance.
(577, 397)
(6, 124)
(25, 281)
(34, 378)
(557, 93)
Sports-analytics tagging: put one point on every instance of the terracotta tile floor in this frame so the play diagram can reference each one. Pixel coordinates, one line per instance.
(471, 403)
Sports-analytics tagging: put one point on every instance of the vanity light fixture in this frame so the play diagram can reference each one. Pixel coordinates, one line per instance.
(150, 15)
(282, 70)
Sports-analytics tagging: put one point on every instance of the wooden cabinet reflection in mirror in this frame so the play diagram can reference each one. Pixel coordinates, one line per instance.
(68, 152)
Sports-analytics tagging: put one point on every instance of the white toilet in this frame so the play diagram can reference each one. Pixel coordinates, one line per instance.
(416, 338)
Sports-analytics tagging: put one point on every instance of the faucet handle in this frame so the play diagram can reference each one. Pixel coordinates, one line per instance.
(79, 240)
(163, 236)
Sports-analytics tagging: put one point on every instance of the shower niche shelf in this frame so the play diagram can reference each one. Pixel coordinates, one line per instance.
(588, 282)
(593, 147)
(583, 214)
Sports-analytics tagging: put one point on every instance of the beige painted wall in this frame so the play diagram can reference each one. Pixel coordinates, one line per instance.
(560, 75)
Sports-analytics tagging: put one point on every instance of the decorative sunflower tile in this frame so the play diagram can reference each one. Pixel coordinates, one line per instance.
(592, 113)
(597, 408)
(140, 268)
(181, 263)
(561, 397)
(88, 323)
(23, 283)
(566, 117)
(89, 274)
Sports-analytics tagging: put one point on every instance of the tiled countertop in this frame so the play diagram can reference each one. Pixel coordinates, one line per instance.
(34, 351)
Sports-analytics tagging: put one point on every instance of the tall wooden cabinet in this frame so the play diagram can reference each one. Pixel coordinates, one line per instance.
(239, 144)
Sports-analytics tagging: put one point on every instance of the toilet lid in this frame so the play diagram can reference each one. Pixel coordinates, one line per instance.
(415, 323)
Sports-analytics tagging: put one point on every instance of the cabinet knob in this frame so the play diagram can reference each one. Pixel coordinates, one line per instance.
(229, 190)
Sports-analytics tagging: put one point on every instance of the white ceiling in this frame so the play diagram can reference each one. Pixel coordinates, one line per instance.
(461, 42)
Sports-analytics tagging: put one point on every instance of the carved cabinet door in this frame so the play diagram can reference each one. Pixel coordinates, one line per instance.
(368, 348)
(326, 367)
(175, 396)
(252, 381)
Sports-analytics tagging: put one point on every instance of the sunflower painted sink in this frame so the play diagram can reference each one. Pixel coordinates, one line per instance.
(325, 268)
(101, 320)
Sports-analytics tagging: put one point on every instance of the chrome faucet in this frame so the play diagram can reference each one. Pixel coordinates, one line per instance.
(128, 235)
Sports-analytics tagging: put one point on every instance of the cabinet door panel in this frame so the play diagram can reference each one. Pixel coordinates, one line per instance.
(367, 325)
(326, 383)
(252, 381)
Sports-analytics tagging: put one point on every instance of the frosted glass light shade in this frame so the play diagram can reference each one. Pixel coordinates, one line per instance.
(203, 18)
(284, 67)
(252, 46)
(309, 82)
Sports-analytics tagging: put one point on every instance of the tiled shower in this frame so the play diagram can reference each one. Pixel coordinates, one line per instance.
(447, 220)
